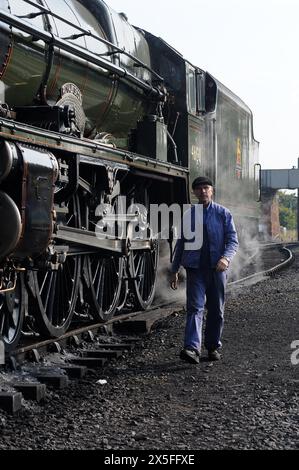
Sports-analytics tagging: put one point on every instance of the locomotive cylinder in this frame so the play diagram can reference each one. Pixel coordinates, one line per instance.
(26, 200)
(11, 230)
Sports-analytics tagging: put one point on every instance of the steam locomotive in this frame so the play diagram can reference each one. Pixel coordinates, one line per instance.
(93, 111)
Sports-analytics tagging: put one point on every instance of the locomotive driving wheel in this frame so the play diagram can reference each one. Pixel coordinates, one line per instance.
(56, 290)
(105, 280)
(124, 290)
(143, 266)
(12, 314)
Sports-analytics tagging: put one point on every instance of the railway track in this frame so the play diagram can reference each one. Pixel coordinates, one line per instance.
(39, 364)
(271, 263)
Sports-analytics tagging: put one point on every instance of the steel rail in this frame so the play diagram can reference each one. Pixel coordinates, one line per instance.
(268, 272)
(91, 327)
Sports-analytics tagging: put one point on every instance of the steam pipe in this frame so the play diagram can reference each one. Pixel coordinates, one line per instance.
(174, 147)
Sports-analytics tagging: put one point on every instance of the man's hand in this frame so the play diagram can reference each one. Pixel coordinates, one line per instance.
(174, 279)
(222, 265)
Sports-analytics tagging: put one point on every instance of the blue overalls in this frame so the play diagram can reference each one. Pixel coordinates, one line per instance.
(203, 282)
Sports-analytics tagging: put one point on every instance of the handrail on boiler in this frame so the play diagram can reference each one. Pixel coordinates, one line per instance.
(85, 32)
(78, 51)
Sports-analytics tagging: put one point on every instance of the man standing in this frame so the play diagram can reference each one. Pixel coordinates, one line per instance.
(206, 273)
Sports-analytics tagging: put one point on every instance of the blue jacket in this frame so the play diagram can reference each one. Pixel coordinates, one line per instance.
(223, 239)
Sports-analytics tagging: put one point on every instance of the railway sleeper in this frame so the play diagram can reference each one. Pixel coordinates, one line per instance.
(11, 401)
(101, 353)
(31, 390)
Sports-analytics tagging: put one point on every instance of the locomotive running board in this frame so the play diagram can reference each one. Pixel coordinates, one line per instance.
(84, 237)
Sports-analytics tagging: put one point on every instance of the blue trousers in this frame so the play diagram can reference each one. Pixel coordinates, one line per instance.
(210, 286)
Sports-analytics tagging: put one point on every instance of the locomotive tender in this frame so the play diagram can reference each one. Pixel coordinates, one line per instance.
(92, 108)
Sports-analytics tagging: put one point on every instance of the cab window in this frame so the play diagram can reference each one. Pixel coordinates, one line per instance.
(191, 90)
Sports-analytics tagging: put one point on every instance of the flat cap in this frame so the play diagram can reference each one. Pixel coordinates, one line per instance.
(202, 180)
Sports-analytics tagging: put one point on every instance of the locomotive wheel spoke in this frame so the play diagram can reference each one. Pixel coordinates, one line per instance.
(143, 270)
(57, 289)
(12, 315)
(105, 274)
(124, 290)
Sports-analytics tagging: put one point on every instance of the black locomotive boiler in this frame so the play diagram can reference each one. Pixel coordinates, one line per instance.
(95, 111)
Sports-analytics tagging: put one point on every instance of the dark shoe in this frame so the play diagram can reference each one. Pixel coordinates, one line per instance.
(190, 355)
(214, 355)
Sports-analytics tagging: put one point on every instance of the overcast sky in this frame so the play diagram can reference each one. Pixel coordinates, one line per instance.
(249, 45)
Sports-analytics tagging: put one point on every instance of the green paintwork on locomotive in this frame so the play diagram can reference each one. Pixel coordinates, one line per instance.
(213, 136)
(196, 147)
(111, 106)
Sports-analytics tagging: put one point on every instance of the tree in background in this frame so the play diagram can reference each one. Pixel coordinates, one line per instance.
(288, 210)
